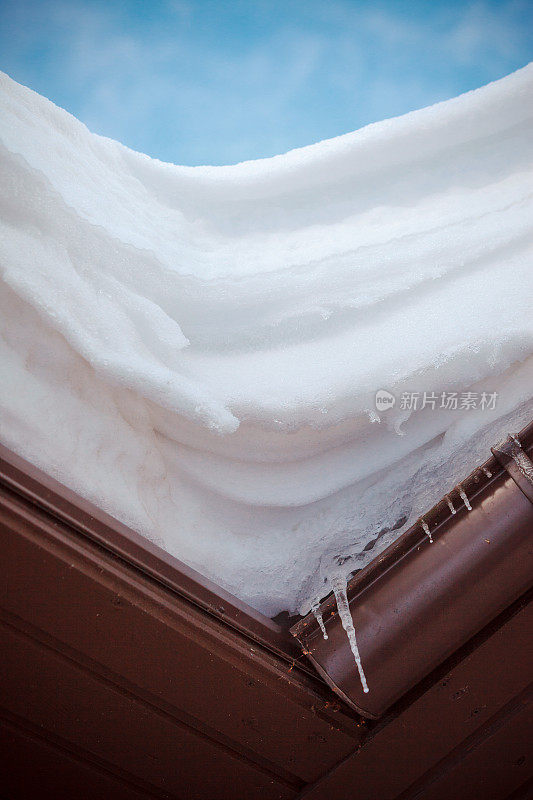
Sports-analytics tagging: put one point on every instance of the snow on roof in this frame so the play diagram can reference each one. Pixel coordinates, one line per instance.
(198, 350)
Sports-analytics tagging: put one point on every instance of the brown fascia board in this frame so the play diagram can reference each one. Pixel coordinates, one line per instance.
(88, 521)
(418, 602)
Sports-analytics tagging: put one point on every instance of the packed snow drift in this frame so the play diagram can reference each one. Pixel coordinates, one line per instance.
(198, 350)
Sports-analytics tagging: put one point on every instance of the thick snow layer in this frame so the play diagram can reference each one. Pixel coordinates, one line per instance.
(197, 350)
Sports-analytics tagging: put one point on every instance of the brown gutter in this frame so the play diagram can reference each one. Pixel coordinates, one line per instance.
(418, 602)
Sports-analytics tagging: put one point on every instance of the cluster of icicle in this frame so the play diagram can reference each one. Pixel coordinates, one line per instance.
(339, 582)
(453, 510)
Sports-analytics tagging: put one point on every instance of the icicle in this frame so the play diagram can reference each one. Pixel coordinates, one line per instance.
(464, 498)
(318, 617)
(487, 472)
(426, 530)
(339, 587)
(450, 505)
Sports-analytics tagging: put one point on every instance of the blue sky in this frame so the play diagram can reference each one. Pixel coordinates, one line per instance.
(208, 81)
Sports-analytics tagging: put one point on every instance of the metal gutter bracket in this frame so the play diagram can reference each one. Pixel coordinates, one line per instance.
(514, 459)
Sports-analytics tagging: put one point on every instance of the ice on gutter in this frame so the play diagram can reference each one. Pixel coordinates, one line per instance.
(423, 596)
(464, 498)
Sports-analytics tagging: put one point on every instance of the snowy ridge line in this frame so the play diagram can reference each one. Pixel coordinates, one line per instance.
(211, 340)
